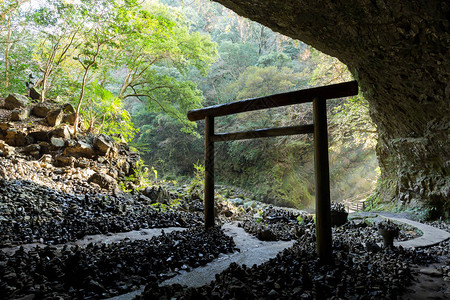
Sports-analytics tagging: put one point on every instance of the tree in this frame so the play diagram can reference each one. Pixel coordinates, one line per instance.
(12, 36)
(58, 24)
(105, 113)
(105, 21)
(162, 44)
(264, 81)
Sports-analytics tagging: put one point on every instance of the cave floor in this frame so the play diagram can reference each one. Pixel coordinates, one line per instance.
(426, 283)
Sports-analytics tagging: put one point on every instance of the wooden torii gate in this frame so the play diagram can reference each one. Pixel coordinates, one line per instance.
(318, 96)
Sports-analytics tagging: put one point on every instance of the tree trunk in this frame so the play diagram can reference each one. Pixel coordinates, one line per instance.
(48, 70)
(80, 99)
(8, 40)
(83, 86)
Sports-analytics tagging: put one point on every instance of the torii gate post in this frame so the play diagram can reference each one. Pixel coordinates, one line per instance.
(322, 178)
(209, 172)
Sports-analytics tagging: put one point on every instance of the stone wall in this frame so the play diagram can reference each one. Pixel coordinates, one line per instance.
(399, 52)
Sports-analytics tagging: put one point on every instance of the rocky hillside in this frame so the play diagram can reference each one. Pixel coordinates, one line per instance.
(57, 187)
(42, 135)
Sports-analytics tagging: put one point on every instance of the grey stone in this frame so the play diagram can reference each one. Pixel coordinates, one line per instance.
(103, 144)
(31, 148)
(6, 149)
(58, 142)
(82, 163)
(40, 135)
(5, 126)
(14, 101)
(15, 137)
(64, 161)
(62, 132)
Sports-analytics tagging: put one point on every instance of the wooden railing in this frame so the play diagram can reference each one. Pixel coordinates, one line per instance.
(318, 96)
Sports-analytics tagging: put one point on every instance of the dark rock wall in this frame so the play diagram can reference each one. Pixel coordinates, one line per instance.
(399, 52)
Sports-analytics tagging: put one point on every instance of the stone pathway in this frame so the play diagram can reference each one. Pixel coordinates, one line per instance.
(252, 251)
(431, 235)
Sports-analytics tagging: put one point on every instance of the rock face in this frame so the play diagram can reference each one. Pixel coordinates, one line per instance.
(399, 53)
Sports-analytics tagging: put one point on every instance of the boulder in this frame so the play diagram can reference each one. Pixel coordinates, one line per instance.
(68, 108)
(40, 110)
(58, 142)
(82, 163)
(123, 165)
(64, 161)
(40, 135)
(31, 148)
(103, 144)
(20, 114)
(157, 194)
(103, 180)
(5, 126)
(80, 149)
(14, 101)
(45, 147)
(55, 117)
(69, 119)
(62, 132)
(14, 137)
(6, 149)
(34, 94)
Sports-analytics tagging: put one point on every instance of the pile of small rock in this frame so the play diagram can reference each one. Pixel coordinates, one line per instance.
(296, 273)
(274, 224)
(100, 270)
(32, 213)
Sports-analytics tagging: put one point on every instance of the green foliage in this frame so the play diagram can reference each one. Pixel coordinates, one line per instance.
(105, 113)
(165, 145)
(140, 178)
(352, 124)
(261, 81)
(152, 60)
(196, 185)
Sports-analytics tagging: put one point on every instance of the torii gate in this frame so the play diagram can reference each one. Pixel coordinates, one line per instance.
(318, 96)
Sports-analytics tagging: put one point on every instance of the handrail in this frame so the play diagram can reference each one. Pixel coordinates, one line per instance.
(339, 90)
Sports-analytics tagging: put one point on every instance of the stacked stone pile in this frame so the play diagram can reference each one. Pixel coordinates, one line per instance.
(100, 271)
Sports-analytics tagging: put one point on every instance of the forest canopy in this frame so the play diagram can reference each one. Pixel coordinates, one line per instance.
(135, 68)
